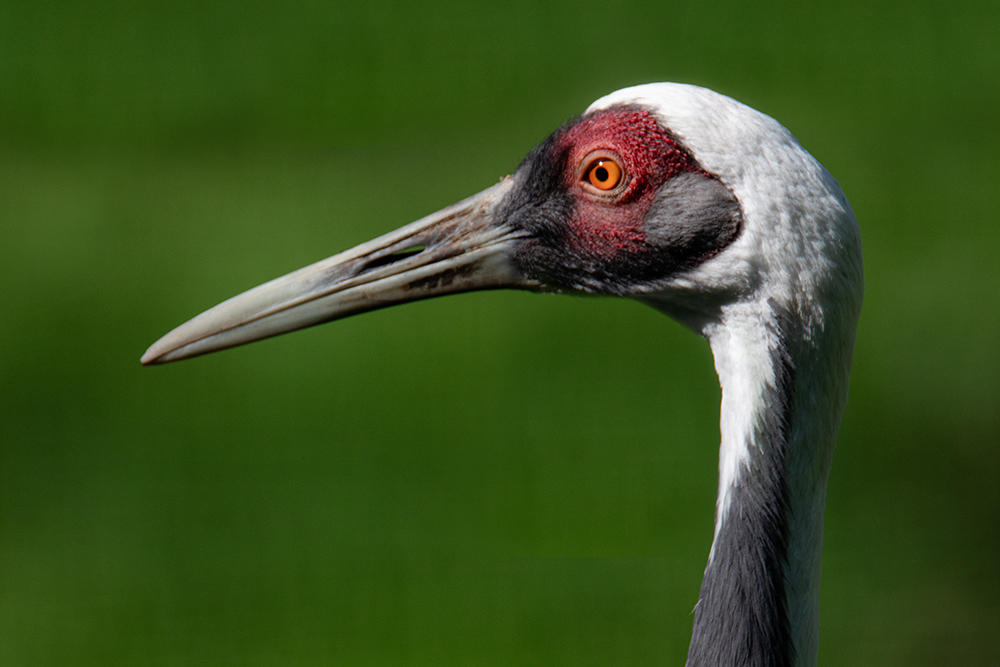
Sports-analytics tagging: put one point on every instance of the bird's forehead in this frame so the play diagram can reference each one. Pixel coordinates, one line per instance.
(630, 130)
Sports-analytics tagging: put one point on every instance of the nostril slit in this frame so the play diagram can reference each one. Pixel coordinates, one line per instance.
(394, 257)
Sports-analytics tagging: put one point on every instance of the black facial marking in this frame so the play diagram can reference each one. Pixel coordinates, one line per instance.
(540, 205)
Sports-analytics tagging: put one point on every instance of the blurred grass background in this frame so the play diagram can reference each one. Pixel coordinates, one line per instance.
(490, 479)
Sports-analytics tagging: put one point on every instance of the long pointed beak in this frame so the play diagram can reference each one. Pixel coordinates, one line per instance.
(458, 249)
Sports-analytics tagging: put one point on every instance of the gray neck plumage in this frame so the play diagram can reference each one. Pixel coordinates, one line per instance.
(758, 603)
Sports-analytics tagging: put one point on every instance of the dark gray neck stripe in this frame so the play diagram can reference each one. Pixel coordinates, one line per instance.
(742, 614)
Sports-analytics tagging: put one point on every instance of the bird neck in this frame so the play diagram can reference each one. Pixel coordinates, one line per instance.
(759, 600)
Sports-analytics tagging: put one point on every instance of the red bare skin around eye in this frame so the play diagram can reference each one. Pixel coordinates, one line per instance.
(607, 226)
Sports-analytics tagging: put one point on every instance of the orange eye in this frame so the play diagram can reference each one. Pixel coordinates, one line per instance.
(604, 174)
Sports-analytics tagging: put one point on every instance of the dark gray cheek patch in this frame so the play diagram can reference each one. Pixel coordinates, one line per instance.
(693, 218)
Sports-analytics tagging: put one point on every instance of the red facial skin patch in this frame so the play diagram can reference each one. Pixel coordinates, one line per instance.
(605, 225)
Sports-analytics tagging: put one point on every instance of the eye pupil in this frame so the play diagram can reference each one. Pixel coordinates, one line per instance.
(601, 174)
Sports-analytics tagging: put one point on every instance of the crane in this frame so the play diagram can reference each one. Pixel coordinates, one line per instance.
(706, 210)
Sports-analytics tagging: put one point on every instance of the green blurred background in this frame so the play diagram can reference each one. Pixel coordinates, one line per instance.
(490, 479)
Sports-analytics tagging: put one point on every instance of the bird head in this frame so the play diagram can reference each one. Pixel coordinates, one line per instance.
(658, 192)
(614, 203)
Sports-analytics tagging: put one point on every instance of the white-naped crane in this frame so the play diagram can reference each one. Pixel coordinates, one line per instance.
(708, 211)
